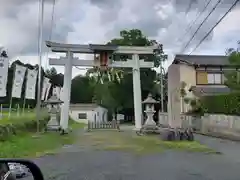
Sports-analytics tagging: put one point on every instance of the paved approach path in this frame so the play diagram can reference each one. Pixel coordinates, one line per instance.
(76, 163)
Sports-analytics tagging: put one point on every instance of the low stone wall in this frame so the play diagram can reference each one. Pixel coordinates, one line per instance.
(163, 118)
(219, 125)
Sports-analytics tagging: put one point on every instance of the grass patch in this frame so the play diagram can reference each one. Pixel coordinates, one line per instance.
(25, 144)
(16, 119)
(124, 141)
(18, 124)
(76, 125)
(153, 143)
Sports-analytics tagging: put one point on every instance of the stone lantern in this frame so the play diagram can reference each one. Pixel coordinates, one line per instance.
(54, 122)
(149, 110)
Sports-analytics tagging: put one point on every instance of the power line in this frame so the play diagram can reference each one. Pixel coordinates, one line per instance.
(194, 21)
(229, 10)
(213, 9)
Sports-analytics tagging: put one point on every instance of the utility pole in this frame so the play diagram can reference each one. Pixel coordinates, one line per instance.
(161, 86)
(40, 41)
(162, 57)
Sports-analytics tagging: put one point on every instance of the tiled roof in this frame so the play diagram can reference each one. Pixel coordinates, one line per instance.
(201, 59)
(203, 90)
(84, 106)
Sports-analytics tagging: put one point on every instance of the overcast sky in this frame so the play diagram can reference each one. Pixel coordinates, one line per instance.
(97, 21)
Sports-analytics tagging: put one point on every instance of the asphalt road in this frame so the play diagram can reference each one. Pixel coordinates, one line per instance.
(230, 149)
(74, 162)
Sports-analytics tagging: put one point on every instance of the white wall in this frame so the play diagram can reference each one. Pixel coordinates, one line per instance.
(100, 114)
(74, 115)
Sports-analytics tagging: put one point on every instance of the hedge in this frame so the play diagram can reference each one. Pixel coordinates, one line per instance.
(21, 124)
(222, 104)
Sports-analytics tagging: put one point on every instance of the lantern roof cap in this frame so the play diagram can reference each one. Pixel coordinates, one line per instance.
(150, 100)
(53, 100)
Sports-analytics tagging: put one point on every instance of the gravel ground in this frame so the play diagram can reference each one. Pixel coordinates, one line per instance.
(74, 162)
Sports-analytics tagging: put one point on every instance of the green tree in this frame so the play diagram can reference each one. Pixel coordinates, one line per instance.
(135, 37)
(51, 72)
(55, 78)
(107, 89)
(119, 95)
(233, 77)
(81, 90)
(105, 92)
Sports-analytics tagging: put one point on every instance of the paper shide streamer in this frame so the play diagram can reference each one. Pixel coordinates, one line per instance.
(110, 73)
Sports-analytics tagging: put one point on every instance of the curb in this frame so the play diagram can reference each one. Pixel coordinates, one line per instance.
(220, 136)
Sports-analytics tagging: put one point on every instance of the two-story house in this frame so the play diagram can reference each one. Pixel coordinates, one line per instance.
(203, 75)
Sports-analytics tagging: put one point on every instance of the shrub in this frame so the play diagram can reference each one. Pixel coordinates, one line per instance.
(224, 104)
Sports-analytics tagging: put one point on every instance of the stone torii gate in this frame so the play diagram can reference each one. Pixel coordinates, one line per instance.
(105, 51)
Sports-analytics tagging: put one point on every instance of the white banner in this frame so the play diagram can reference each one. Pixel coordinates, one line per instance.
(19, 76)
(31, 84)
(44, 88)
(4, 63)
(48, 89)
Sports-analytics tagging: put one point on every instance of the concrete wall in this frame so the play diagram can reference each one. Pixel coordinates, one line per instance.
(173, 97)
(219, 124)
(163, 118)
(187, 75)
(176, 74)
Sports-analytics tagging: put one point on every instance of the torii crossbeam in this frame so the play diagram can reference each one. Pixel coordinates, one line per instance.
(105, 52)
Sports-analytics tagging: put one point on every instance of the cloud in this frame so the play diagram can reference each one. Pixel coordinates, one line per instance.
(97, 21)
(20, 22)
(164, 20)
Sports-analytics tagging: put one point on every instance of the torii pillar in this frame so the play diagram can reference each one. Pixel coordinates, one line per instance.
(67, 82)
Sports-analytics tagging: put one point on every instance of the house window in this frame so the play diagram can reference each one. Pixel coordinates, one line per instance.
(214, 78)
(201, 77)
(205, 78)
(82, 116)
